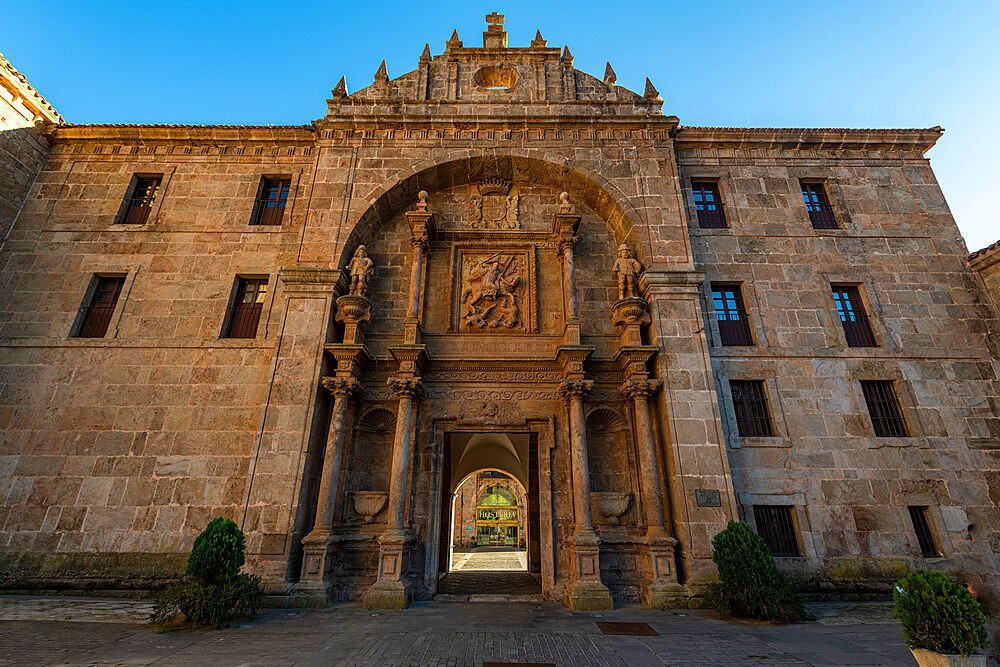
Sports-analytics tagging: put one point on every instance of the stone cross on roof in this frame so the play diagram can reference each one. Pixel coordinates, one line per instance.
(495, 20)
(495, 37)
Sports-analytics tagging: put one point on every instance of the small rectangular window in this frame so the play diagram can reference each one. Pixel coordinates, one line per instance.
(708, 203)
(818, 205)
(139, 200)
(776, 527)
(269, 207)
(922, 527)
(753, 418)
(883, 408)
(96, 315)
(244, 315)
(850, 308)
(734, 327)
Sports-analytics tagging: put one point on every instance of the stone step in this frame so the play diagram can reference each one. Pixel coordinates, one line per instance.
(488, 597)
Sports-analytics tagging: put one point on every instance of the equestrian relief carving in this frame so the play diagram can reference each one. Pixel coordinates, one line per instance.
(491, 294)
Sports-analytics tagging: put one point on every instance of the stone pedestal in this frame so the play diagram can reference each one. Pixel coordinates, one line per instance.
(661, 591)
(630, 313)
(312, 589)
(392, 590)
(588, 593)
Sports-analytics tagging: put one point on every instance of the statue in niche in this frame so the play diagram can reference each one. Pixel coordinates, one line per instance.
(361, 268)
(490, 299)
(628, 270)
(494, 206)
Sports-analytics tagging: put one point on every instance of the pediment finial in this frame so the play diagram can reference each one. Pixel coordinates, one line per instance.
(425, 57)
(651, 93)
(454, 42)
(567, 57)
(340, 90)
(610, 78)
(538, 42)
(382, 75)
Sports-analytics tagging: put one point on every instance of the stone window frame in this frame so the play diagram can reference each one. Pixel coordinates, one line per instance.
(128, 273)
(872, 303)
(838, 203)
(751, 304)
(934, 518)
(776, 409)
(869, 369)
(138, 169)
(294, 175)
(724, 182)
(800, 518)
(265, 309)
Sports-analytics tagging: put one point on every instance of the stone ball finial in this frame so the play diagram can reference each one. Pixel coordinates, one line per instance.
(422, 200)
(564, 206)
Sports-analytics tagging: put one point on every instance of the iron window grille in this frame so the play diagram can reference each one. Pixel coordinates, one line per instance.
(857, 328)
(96, 315)
(753, 418)
(884, 409)
(922, 527)
(244, 315)
(269, 207)
(734, 327)
(139, 200)
(776, 527)
(708, 203)
(818, 205)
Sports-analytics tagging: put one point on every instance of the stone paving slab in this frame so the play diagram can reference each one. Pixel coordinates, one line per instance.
(35, 631)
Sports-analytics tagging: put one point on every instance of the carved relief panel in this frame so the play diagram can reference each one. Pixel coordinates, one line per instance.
(493, 289)
(493, 204)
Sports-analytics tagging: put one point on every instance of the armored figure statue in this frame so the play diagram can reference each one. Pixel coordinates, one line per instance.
(628, 269)
(361, 268)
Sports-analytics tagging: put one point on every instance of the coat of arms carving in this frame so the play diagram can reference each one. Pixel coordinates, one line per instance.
(493, 205)
(492, 291)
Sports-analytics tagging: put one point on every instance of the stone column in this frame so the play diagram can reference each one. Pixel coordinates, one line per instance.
(342, 390)
(392, 590)
(639, 391)
(564, 226)
(574, 391)
(421, 224)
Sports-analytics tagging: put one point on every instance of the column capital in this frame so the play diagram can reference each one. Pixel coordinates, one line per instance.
(639, 388)
(421, 225)
(342, 387)
(567, 242)
(406, 387)
(575, 389)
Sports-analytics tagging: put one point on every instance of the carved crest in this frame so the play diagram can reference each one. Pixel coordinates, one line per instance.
(492, 289)
(492, 205)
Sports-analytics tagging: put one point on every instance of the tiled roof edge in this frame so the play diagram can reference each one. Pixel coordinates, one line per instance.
(6, 64)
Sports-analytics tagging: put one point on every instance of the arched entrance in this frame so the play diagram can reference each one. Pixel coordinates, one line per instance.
(488, 524)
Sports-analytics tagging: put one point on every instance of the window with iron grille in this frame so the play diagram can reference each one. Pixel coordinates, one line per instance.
(820, 210)
(96, 313)
(272, 196)
(753, 418)
(708, 203)
(776, 527)
(922, 527)
(139, 200)
(734, 327)
(884, 409)
(850, 308)
(244, 315)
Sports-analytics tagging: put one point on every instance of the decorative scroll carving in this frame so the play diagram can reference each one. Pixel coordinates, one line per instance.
(361, 268)
(628, 270)
(494, 206)
(492, 292)
(492, 394)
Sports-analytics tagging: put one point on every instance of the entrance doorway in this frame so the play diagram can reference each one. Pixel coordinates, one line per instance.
(489, 515)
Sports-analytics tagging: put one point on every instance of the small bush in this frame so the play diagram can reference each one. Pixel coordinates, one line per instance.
(938, 615)
(749, 582)
(214, 590)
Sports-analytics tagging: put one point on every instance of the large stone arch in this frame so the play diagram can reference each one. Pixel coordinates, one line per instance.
(586, 186)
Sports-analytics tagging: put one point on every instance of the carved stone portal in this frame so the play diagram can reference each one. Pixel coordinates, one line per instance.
(493, 287)
(493, 205)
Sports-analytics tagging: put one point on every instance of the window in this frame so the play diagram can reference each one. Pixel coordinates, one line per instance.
(820, 211)
(922, 527)
(775, 526)
(857, 328)
(139, 200)
(753, 419)
(734, 328)
(245, 312)
(708, 204)
(270, 203)
(96, 314)
(883, 408)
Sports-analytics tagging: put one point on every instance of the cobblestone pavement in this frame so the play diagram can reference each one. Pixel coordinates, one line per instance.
(490, 560)
(40, 631)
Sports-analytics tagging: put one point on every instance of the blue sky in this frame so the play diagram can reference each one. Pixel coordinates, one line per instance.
(812, 64)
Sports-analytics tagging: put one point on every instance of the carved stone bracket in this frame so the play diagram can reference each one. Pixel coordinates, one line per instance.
(630, 313)
(353, 310)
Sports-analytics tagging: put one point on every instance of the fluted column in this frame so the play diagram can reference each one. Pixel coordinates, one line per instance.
(421, 224)
(564, 226)
(342, 389)
(574, 391)
(407, 389)
(566, 246)
(418, 243)
(639, 391)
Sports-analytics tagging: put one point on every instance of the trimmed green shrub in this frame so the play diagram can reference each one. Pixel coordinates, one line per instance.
(750, 584)
(214, 589)
(938, 615)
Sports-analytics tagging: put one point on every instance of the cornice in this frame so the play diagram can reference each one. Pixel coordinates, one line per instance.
(822, 138)
(18, 84)
(985, 258)
(271, 134)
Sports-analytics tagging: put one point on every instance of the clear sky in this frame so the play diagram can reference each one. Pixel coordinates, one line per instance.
(877, 63)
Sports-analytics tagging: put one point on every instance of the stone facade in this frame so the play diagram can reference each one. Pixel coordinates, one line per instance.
(539, 301)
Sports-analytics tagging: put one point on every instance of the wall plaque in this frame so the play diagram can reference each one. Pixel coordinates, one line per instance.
(708, 498)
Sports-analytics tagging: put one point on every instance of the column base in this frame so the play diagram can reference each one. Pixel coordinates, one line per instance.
(309, 595)
(665, 596)
(588, 593)
(391, 591)
(389, 595)
(590, 596)
(663, 591)
(315, 547)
